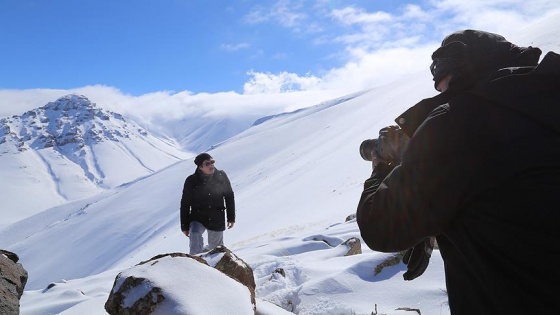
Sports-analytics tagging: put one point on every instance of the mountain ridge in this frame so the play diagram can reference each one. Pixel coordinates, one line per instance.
(71, 143)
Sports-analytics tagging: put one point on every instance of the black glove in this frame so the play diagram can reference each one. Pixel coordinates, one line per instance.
(417, 258)
(392, 142)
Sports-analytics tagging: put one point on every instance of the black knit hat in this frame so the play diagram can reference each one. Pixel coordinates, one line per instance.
(470, 56)
(201, 158)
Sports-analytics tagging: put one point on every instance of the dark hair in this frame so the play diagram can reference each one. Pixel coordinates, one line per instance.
(201, 158)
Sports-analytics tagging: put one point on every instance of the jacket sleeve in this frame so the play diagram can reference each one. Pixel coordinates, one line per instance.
(419, 197)
(186, 203)
(230, 199)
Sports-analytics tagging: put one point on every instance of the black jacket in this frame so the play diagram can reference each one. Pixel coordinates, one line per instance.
(482, 173)
(203, 200)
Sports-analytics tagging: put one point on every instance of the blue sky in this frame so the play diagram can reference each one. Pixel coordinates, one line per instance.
(248, 47)
(148, 45)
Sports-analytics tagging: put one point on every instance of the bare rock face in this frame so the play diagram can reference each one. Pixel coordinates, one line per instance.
(350, 217)
(145, 288)
(354, 246)
(13, 278)
(234, 267)
(142, 306)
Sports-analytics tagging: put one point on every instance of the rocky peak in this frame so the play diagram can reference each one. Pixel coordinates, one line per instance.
(70, 102)
(71, 119)
(70, 108)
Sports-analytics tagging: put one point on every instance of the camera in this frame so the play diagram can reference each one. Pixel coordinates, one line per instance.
(389, 146)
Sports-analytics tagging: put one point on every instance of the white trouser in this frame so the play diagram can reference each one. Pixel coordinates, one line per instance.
(196, 240)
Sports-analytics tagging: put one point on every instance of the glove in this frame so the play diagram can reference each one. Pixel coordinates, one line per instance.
(392, 142)
(417, 258)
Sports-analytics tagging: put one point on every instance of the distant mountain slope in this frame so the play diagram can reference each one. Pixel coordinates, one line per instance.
(200, 134)
(70, 149)
(311, 109)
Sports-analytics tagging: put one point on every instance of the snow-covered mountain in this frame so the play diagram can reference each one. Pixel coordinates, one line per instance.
(70, 149)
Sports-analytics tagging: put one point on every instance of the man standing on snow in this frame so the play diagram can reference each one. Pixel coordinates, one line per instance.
(202, 204)
(481, 173)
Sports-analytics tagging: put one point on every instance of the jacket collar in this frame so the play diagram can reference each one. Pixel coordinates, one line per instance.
(412, 118)
(199, 174)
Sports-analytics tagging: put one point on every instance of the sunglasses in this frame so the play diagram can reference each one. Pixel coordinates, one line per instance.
(208, 163)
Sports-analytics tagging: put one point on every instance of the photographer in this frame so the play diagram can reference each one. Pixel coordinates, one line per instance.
(481, 173)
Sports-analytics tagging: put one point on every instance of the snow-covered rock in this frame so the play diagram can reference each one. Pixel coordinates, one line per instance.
(178, 284)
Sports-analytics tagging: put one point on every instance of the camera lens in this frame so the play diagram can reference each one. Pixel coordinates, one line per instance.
(366, 148)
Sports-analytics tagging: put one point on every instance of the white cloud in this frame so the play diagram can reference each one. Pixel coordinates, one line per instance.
(413, 11)
(16, 102)
(267, 83)
(504, 17)
(368, 70)
(352, 15)
(234, 47)
(284, 12)
(365, 71)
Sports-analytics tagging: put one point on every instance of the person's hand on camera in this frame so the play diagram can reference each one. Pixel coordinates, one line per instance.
(375, 160)
(417, 258)
(389, 147)
(392, 142)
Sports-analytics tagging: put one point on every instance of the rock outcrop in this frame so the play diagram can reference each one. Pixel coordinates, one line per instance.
(234, 267)
(13, 278)
(354, 246)
(179, 283)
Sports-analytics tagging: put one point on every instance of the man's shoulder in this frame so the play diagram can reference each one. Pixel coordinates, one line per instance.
(191, 178)
(515, 85)
(548, 69)
(220, 173)
(550, 64)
